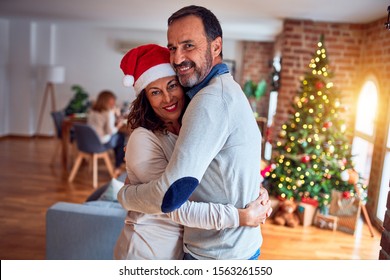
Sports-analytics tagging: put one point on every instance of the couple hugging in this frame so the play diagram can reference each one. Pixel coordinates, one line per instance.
(193, 159)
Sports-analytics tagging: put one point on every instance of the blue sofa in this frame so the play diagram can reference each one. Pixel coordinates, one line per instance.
(85, 231)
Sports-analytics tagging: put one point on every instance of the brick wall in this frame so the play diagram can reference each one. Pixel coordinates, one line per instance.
(256, 56)
(354, 50)
(256, 66)
(384, 253)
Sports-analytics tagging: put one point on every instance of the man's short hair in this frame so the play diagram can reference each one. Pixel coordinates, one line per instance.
(211, 24)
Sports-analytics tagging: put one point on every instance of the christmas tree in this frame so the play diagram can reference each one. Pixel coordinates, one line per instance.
(313, 154)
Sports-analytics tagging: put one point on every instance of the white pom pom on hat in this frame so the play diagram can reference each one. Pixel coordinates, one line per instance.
(145, 64)
(128, 81)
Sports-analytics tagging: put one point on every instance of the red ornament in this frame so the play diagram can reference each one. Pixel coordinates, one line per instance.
(266, 171)
(305, 159)
(346, 195)
(319, 85)
(328, 124)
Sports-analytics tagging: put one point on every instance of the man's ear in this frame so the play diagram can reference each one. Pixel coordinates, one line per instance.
(216, 47)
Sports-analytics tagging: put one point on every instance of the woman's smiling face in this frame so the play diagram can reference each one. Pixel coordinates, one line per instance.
(166, 96)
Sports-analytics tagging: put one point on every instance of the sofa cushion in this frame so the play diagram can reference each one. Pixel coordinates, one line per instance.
(103, 204)
(99, 192)
(111, 192)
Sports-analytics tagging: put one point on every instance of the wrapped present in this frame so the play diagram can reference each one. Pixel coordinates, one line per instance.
(326, 221)
(306, 213)
(346, 209)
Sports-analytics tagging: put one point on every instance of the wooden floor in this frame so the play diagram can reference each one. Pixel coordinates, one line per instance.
(29, 185)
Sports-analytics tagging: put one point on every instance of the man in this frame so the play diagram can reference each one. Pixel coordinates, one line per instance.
(219, 142)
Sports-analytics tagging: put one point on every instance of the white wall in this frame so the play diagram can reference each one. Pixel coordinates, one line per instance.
(4, 79)
(89, 54)
(21, 95)
(232, 50)
(91, 57)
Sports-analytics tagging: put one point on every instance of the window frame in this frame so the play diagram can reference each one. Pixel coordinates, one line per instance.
(384, 150)
(369, 138)
(380, 138)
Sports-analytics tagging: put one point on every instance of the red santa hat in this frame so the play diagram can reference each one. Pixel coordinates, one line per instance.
(145, 64)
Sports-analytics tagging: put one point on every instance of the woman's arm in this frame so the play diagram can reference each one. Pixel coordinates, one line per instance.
(145, 160)
(112, 128)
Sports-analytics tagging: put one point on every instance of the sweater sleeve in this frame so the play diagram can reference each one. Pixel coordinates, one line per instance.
(149, 162)
(145, 159)
(101, 122)
(112, 129)
(206, 215)
(203, 134)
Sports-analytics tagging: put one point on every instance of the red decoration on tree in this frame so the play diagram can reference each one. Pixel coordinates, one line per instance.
(328, 124)
(319, 85)
(265, 172)
(305, 159)
(346, 195)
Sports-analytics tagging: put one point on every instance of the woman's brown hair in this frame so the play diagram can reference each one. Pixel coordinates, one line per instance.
(101, 103)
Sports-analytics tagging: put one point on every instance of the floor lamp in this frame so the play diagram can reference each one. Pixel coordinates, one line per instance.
(51, 75)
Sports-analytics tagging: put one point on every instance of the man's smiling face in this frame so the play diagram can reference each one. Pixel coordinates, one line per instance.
(191, 53)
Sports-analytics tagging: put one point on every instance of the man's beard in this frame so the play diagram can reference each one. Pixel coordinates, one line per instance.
(199, 72)
(188, 80)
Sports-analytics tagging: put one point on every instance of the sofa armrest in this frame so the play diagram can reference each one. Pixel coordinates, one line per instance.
(83, 231)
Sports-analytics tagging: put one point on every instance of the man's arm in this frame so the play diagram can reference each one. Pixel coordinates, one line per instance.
(219, 216)
(203, 134)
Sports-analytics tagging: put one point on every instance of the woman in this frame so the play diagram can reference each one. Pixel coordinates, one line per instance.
(155, 117)
(106, 122)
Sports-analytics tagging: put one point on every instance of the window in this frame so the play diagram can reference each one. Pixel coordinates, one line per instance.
(363, 142)
(385, 181)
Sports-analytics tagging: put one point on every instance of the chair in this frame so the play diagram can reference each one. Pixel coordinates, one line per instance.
(58, 118)
(89, 146)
